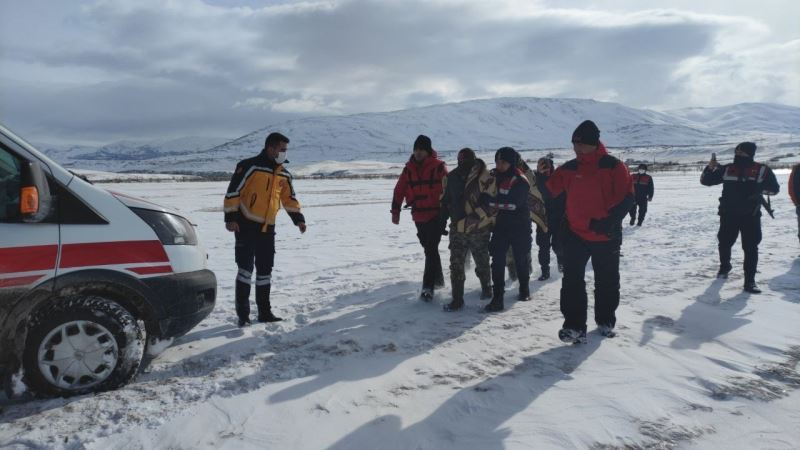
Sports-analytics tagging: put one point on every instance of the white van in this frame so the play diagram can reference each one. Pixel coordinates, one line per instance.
(88, 277)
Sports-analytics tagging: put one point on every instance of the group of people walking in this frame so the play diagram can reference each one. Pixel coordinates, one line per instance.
(578, 210)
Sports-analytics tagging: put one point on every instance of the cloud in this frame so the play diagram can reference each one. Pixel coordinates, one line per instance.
(180, 67)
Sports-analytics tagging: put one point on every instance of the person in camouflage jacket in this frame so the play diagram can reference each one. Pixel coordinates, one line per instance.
(470, 224)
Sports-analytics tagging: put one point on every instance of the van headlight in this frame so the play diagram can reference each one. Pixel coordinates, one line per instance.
(171, 229)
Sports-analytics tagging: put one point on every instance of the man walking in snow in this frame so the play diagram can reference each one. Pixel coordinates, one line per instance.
(470, 224)
(258, 188)
(794, 193)
(420, 185)
(743, 184)
(599, 194)
(536, 207)
(549, 237)
(643, 190)
(512, 226)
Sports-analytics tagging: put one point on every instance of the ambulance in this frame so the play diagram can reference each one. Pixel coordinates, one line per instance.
(89, 278)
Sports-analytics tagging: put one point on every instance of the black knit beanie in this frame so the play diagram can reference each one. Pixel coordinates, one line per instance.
(586, 133)
(747, 147)
(423, 143)
(507, 154)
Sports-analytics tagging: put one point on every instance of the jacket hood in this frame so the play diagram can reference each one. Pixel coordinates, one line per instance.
(432, 159)
(593, 156)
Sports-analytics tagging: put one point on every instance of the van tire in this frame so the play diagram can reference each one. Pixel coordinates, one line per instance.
(119, 336)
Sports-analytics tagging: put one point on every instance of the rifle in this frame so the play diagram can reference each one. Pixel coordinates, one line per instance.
(767, 206)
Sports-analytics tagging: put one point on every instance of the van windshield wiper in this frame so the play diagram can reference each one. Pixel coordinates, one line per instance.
(82, 177)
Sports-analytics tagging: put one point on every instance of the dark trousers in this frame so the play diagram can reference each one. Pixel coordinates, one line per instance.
(730, 226)
(520, 243)
(253, 246)
(605, 261)
(798, 221)
(430, 234)
(642, 205)
(546, 240)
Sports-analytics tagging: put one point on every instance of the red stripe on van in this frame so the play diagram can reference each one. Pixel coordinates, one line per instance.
(28, 259)
(106, 253)
(19, 281)
(151, 270)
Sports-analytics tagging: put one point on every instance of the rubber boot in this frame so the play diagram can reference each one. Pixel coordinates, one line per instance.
(458, 297)
(497, 302)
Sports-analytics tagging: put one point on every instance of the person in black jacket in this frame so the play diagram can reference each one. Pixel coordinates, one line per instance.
(743, 184)
(794, 193)
(643, 192)
(551, 238)
(512, 226)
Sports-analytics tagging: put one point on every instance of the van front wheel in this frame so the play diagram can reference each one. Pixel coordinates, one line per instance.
(80, 345)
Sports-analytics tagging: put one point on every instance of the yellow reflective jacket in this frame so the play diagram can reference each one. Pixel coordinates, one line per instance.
(258, 188)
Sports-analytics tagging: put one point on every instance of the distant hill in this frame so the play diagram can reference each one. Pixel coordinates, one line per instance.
(523, 123)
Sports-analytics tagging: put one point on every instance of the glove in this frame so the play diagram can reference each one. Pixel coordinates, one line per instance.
(395, 217)
(444, 228)
(601, 226)
(649, 199)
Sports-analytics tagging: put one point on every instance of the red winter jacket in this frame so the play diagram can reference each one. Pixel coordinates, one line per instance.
(598, 186)
(421, 187)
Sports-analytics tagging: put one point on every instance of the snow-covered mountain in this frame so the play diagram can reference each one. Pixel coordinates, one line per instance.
(123, 154)
(523, 123)
(745, 117)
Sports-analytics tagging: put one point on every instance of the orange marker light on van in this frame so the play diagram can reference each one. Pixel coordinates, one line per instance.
(29, 200)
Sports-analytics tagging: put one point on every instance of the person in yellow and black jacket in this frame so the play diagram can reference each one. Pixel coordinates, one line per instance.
(258, 188)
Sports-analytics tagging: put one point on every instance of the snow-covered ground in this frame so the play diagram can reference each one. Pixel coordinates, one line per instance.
(360, 363)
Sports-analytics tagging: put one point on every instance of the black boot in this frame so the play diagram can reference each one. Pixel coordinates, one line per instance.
(524, 292)
(497, 301)
(752, 288)
(426, 295)
(458, 296)
(750, 284)
(268, 317)
(262, 301)
(724, 270)
(486, 291)
(495, 305)
(545, 273)
(243, 302)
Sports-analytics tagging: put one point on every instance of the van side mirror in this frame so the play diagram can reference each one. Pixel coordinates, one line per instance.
(34, 195)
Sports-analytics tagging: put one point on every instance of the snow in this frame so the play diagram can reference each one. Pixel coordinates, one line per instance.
(360, 363)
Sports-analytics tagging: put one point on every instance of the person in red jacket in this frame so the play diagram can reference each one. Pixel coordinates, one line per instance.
(599, 194)
(794, 193)
(420, 185)
(643, 193)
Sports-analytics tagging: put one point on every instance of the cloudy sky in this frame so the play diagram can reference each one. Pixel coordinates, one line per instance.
(98, 71)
